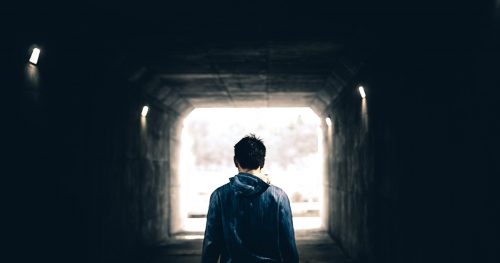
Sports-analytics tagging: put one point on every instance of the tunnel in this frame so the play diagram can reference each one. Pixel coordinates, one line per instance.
(406, 96)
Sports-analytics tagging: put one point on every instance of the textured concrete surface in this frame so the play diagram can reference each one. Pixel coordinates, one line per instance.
(314, 247)
(351, 173)
(256, 74)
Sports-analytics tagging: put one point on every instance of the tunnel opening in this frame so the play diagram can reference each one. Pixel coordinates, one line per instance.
(294, 161)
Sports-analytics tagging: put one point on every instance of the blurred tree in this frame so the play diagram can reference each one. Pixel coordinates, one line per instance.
(287, 144)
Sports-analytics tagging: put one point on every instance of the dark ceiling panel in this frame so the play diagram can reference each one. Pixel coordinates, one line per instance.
(240, 74)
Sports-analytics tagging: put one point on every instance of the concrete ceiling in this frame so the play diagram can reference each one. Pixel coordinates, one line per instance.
(222, 55)
(242, 74)
(187, 54)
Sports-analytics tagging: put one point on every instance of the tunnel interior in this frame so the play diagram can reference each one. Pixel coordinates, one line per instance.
(265, 74)
(410, 173)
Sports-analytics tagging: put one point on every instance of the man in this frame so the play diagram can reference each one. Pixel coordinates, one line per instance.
(249, 220)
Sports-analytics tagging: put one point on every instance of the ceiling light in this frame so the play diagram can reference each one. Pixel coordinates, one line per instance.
(34, 56)
(328, 121)
(145, 110)
(362, 92)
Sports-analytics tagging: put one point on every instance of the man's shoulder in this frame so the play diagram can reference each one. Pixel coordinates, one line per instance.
(276, 191)
(222, 188)
(273, 190)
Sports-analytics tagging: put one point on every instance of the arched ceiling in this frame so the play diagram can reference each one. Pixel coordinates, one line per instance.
(251, 55)
(248, 74)
(237, 53)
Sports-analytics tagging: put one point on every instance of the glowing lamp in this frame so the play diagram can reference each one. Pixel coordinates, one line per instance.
(328, 121)
(145, 110)
(362, 92)
(34, 56)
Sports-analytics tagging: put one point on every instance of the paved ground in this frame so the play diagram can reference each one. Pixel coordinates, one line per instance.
(314, 247)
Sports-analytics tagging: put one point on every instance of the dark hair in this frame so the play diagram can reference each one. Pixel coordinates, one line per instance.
(250, 152)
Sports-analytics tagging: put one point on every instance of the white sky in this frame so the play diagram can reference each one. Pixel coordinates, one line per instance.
(273, 116)
(261, 121)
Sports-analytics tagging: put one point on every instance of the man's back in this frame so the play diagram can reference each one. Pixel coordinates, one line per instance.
(249, 221)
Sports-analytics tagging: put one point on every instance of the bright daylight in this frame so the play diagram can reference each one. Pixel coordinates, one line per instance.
(294, 160)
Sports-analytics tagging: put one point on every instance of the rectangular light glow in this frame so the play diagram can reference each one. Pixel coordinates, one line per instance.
(34, 56)
(362, 92)
(145, 110)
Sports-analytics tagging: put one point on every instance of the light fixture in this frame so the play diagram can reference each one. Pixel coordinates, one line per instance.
(145, 110)
(34, 56)
(328, 121)
(362, 92)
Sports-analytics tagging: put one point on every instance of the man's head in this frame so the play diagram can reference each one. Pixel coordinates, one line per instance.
(250, 152)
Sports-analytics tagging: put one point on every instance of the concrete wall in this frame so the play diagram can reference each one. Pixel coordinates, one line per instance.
(87, 177)
(414, 182)
(135, 195)
(351, 173)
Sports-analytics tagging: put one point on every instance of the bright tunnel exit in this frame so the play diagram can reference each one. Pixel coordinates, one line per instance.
(294, 159)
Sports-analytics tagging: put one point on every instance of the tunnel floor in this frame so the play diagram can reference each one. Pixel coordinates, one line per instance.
(313, 246)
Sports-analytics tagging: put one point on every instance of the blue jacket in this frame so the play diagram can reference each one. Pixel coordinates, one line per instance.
(249, 221)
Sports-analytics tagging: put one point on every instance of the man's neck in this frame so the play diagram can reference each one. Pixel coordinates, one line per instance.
(250, 171)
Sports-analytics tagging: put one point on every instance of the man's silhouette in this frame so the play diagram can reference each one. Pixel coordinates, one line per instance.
(249, 220)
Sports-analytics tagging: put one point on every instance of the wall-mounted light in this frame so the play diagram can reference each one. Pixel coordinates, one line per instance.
(145, 110)
(362, 92)
(328, 121)
(34, 56)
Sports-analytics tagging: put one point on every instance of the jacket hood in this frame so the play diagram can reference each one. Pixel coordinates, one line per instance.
(247, 184)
